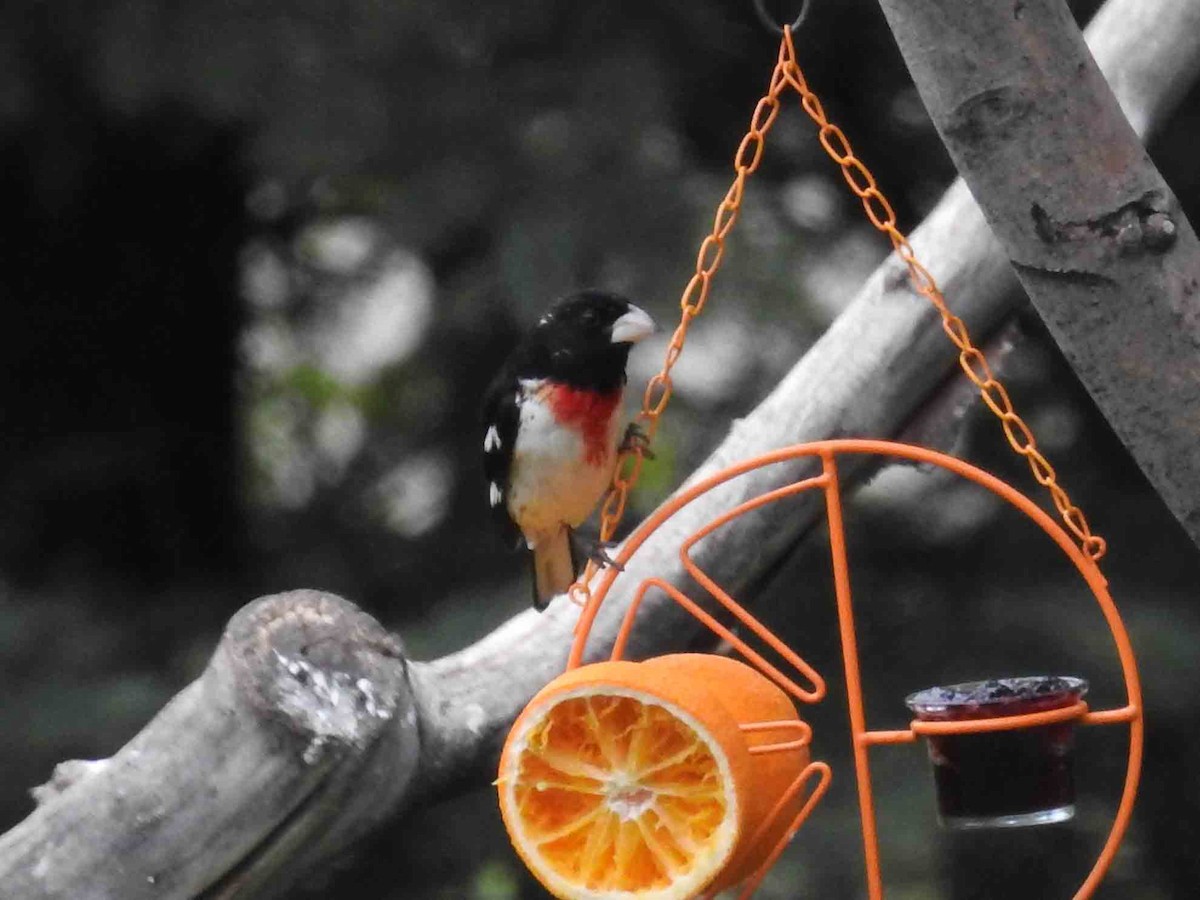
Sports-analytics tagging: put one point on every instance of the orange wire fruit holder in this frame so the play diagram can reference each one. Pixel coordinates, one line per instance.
(785, 740)
(826, 452)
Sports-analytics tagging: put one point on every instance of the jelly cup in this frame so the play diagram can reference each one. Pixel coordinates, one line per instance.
(1002, 779)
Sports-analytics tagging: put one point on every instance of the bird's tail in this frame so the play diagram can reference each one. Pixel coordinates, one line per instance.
(553, 568)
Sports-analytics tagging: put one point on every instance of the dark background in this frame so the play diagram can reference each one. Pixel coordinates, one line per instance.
(262, 260)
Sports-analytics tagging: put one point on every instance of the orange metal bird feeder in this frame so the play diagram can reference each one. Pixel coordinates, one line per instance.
(677, 714)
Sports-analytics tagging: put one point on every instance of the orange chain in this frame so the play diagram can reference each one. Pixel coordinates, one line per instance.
(972, 361)
(879, 211)
(695, 296)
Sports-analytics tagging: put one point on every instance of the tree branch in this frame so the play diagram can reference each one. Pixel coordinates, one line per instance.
(1098, 240)
(283, 742)
(308, 727)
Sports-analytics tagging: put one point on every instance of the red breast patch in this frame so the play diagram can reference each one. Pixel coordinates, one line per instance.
(589, 413)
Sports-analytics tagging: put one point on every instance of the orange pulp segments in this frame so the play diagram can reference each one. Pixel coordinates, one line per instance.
(576, 830)
(751, 698)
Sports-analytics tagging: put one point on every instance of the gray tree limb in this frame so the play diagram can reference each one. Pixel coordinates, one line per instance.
(308, 726)
(304, 701)
(1095, 234)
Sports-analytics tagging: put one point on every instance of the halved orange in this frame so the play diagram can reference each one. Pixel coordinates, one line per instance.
(634, 780)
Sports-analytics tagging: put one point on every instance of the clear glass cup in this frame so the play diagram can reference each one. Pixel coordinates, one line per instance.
(1002, 779)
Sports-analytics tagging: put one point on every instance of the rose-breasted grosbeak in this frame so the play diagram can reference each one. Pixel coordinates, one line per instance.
(552, 422)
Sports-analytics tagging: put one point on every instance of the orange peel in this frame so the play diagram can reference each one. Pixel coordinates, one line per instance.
(637, 780)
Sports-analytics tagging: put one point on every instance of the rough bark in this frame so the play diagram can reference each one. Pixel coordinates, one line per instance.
(308, 726)
(1096, 236)
(293, 737)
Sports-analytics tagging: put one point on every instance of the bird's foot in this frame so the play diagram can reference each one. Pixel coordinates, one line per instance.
(597, 551)
(636, 441)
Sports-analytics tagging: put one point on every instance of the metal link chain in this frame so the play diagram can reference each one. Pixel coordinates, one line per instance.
(691, 304)
(879, 212)
(970, 358)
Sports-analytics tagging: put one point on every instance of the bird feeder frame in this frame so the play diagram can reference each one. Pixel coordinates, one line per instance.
(1082, 547)
(863, 738)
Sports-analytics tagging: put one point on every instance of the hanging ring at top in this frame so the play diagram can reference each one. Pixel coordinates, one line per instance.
(769, 21)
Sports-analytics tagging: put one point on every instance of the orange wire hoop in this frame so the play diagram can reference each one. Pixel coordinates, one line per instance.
(826, 452)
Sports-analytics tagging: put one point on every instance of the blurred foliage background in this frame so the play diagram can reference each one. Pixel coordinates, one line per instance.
(264, 257)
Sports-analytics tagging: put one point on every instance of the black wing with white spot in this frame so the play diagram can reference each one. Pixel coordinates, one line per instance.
(501, 415)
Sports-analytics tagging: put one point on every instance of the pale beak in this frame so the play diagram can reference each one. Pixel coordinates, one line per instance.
(632, 327)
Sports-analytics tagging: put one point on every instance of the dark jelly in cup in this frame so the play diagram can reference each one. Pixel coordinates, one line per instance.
(1007, 778)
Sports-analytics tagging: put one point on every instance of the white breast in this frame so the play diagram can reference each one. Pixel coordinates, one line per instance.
(550, 483)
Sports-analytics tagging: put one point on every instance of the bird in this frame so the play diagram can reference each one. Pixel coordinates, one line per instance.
(552, 430)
